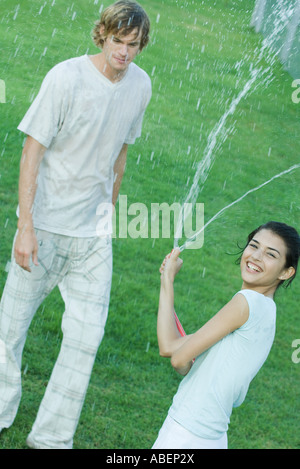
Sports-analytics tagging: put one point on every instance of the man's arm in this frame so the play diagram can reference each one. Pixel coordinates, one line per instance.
(119, 169)
(26, 243)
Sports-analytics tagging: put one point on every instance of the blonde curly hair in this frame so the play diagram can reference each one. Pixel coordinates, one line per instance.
(122, 18)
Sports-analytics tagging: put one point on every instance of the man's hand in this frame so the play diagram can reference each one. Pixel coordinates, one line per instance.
(26, 246)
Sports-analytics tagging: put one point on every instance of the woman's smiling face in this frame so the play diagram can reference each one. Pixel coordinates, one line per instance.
(263, 263)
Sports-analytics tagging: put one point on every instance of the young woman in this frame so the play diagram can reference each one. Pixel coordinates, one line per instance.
(230, 348)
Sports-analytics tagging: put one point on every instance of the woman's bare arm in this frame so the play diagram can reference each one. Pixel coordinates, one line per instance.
(182, 350)
(231, 317)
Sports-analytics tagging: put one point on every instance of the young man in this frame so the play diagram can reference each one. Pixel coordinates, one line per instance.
(89, 109)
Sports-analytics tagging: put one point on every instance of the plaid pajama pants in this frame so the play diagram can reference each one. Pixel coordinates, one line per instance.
(82, 269)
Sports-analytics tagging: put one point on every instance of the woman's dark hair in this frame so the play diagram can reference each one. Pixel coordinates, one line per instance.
(291, 238)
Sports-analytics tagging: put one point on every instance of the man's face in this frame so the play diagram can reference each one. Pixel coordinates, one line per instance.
(120, 51)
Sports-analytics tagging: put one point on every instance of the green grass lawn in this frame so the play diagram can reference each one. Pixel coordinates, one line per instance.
(199, 59)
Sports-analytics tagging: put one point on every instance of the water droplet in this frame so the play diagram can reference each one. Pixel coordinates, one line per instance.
(16, 12)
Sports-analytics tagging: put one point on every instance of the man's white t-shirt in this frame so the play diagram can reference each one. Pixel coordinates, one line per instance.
(83, 119)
